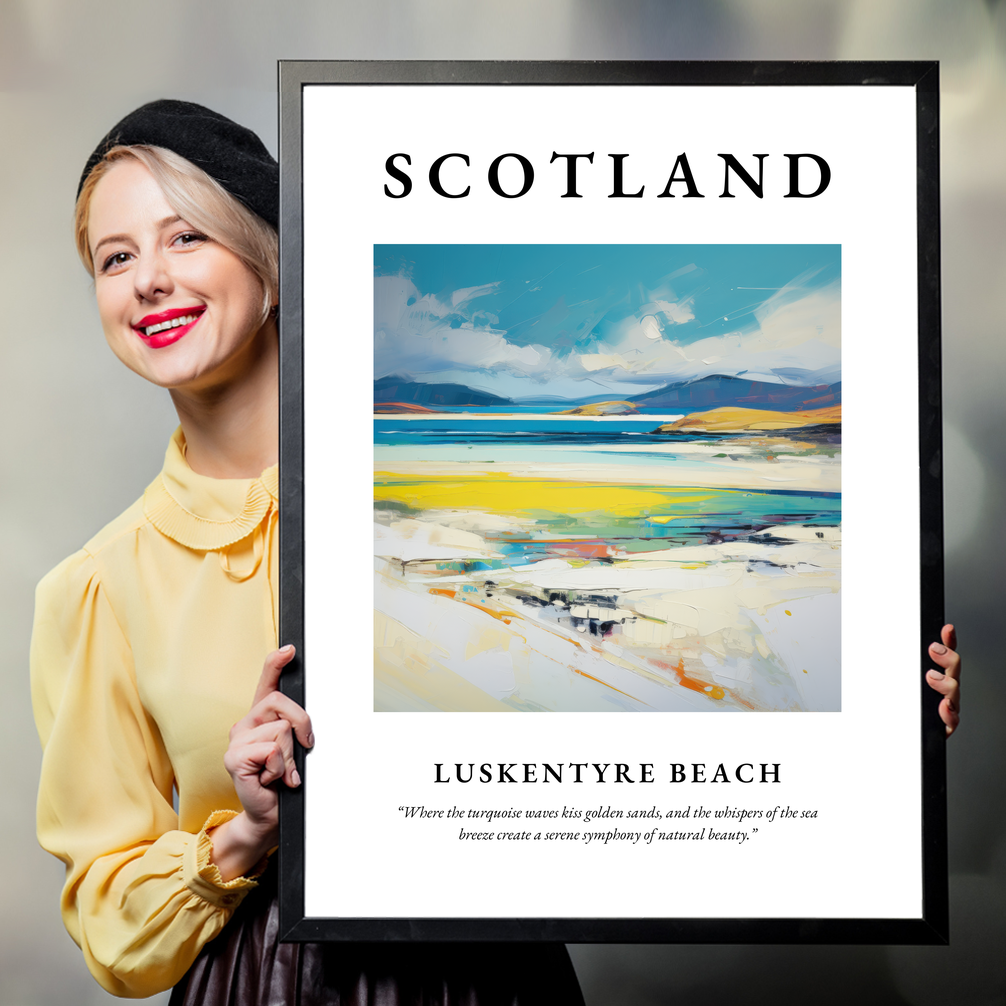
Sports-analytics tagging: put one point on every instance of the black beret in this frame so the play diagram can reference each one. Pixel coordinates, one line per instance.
(230, 154)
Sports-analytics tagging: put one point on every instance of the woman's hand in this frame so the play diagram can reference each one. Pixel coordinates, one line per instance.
(260, 753)
(947, 682)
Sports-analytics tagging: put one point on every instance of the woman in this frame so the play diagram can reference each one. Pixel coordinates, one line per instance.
(149, 642)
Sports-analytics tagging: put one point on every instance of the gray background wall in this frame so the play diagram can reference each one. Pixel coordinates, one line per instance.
(82, 436)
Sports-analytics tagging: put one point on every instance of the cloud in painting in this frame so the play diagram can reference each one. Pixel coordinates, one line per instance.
(794, 330)
(623, 345)
(420, 335)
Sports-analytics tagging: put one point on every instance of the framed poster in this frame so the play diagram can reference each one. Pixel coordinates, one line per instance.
(605, 634)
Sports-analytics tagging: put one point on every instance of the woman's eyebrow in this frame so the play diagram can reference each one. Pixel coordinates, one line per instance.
(109, 240)
(160, 225)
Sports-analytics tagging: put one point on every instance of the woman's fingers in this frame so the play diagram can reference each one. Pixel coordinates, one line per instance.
(271, 671)
(949, 636)
(261, 749)
(949, 710)
(278, 735)
(947, 686)
(946, 656)
(274, 766)
(950, 716)
(277, 706)
(948, 659)
(260, 761)
(270, 703)
(947, 680)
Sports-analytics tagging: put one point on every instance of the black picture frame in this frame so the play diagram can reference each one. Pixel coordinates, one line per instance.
(932, 927)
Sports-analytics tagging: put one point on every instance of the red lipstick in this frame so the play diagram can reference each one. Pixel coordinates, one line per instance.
(166, 327)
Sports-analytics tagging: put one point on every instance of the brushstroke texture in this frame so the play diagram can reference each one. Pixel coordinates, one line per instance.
(546, 541)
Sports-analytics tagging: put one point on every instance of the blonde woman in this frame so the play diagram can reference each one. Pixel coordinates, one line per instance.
(165, 736)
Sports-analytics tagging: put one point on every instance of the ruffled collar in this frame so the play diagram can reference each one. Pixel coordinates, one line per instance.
(203, 513)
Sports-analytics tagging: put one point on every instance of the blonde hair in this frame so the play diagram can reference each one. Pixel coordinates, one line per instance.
(199, 200)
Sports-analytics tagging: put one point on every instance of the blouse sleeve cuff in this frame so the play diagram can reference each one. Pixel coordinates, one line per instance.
(202, 876)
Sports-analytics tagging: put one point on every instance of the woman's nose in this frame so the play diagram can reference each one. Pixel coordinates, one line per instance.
(152, 277)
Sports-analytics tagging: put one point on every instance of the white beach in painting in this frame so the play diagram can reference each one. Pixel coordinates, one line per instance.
(747, 624)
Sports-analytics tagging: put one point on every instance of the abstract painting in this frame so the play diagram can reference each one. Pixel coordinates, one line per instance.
(607, 477)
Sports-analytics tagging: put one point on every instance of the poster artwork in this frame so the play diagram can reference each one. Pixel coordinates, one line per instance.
(607, 478)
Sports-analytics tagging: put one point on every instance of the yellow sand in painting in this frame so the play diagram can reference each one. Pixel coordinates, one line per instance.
(754, 463)
(617, 408)
(733, 418)
(504, 493)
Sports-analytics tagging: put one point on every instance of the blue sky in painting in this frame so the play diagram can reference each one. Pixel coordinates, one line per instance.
(575, 321)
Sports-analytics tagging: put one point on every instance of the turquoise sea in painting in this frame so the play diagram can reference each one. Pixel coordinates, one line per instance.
(607, 478)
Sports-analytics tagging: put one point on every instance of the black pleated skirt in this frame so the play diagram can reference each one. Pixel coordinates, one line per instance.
(246, 965)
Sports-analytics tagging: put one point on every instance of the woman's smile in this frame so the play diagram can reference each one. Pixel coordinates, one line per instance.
(166, 327)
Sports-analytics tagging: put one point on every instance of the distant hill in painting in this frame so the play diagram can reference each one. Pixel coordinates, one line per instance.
(399, 394)
(400, 390)
(720, 391)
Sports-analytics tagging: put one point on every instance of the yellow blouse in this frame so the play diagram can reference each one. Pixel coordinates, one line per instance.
(147, 647)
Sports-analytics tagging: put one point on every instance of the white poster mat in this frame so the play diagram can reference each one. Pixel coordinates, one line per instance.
(858, 769)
